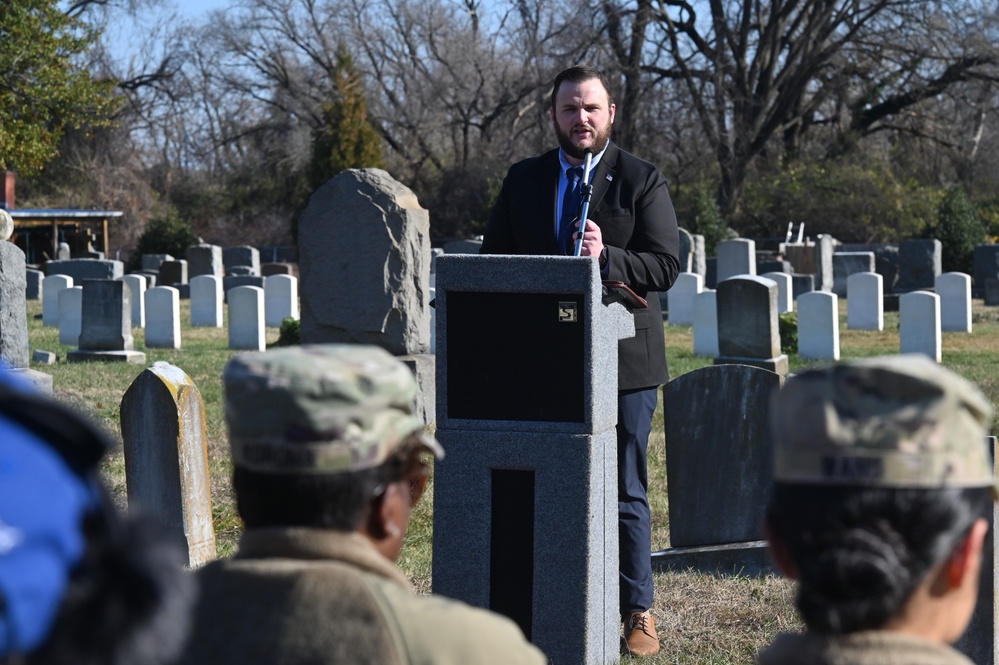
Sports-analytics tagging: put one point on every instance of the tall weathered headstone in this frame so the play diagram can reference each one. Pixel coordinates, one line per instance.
(825, 246)
(954, 289)
(686, 250)
(204, 259)
(166, 456)
(377, 290)
(151, 262)
(748, 331)
(865, 302)
(13, 305)
(919, 324)
(52, 286)
(163, 317)
(818, 326)
(106, 323)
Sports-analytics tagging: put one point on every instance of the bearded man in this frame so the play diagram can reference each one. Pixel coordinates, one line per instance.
(631, 230)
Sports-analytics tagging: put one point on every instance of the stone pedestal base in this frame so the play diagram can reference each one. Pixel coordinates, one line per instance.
(778, 364)
(744, 559)
(41, 381)
(82, 356)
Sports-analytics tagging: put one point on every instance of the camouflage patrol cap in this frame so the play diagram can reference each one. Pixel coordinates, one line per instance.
(893, 421)
(321, 409)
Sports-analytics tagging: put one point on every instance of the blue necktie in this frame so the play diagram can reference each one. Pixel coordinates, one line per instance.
(570, 206)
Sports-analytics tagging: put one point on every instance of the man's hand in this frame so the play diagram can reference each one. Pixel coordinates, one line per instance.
(593, 241)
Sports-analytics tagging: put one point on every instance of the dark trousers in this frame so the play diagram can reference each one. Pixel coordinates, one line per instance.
(634, 421)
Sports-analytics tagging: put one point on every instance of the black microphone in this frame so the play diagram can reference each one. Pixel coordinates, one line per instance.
(585, 190)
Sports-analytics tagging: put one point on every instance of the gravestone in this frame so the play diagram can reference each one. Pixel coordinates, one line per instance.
(206, 301)
(268, 269)
(748, 332)
(230, 282)
(246, 318)
(885, 260)
(686, 251)
(33, 284)
(70, 315)
(62, 252)
(163, 318)
(13, 305)
(462, 247)
(849, 263)
(106, 324)
(240, 271)
(736, 257)
(766, 266)
(173, 273)
(680, 298)
(280, 299)
(243, 255)
(825, 246)
(698, 259)
(40, 357)
(918, 264)
(919, 324)
(818, 326)
(706, 323)
(720, 468)
(150, 277)
(6, 225)
(785, 303)
(81, 269)
(985, 267)
(52, 286)
(166, 457)
(204, 259)
(865, 302)
(137, 293)
(801, 284)
(377, 291)
(992, 292)
(151, 262)
(954, 289)
(522, 520)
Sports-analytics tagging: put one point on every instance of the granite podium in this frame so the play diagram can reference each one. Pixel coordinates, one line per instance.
(525, 500)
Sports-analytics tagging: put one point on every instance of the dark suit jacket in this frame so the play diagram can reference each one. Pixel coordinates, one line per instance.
(631, 205)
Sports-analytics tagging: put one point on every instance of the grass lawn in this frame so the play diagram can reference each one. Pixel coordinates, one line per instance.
(701, 618)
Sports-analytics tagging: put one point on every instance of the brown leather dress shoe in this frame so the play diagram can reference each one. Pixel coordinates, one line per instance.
(640, 634)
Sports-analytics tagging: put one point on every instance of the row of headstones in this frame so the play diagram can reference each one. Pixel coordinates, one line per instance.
(85, 313)
(740, 318)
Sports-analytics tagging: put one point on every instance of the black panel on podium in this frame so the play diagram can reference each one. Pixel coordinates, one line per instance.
(519, 356)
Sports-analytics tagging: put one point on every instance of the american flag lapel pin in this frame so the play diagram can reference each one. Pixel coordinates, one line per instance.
(610, 178)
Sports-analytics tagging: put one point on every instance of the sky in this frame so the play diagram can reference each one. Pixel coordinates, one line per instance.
(198, 8)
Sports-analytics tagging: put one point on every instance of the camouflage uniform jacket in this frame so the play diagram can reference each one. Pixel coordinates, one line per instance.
(316, 596)
(875, 647)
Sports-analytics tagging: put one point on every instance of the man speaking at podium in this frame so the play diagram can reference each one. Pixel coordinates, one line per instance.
(631, 230)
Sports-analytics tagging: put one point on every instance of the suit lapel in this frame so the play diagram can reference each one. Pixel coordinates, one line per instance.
(603, 175)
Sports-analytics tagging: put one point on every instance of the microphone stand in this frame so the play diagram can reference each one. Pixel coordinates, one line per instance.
(585, 190)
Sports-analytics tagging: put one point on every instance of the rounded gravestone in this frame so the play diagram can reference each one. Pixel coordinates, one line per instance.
(6, 225)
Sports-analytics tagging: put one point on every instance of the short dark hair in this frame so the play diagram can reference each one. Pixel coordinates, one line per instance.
(861, 552)
(578, 74)
(323, 501)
